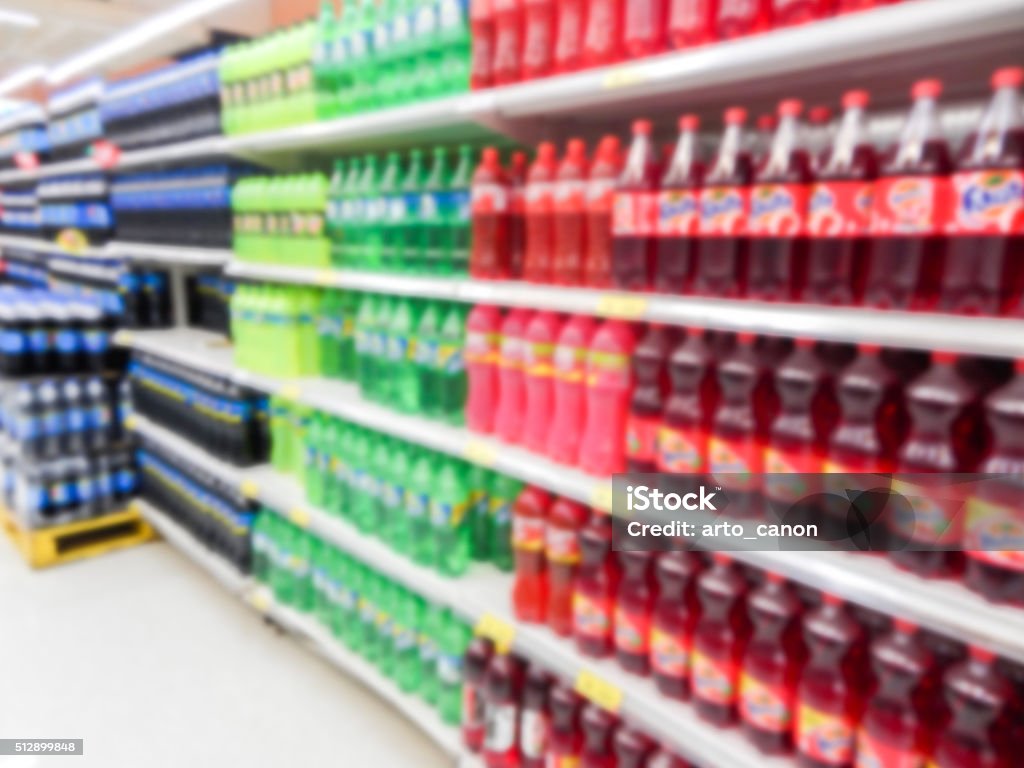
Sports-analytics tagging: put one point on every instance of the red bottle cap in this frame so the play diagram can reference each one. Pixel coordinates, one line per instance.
(773, 578)
(868, 349)
(721, 558)
(689, 123)
(735, 116)
(927, 89)
(981, 654)
(791, 107)
(1008, 77)
(641, 127)
(766, 122)
(830, 599)
(576, 148)
(905, 626)
(802, 343)
(746, 337)
(489, 156)
(820, 114)
(943, 358)
(546, 152)
(1019, 366)
(856, 99)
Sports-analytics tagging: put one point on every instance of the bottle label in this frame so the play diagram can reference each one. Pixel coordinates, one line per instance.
(642, 437)
(538, 358)
(446, 514)
(511, 353)
(874, 753)
(631, 631)
(910, 205)
(561, 545)
(472, 707)
(670, 653)
(931, 517)
(765, 706)
(823, 736)
(528, 533)
(600, 196)
(501, 727)
(678, 213)
(714, 681)
(789, 474)
(635, 214)
(570, 363)
(482, 347)
(742, 459)
(489, 198)
(591, 618)
(988, 202)
(840, 208)
(450, 359)
(561, 761)
(449, 668)
(994, 534)
(570, 195)
(538, 195)
(723, 210)
(681, 450)
(416, 505)
(533, 735)
(778, 210)
(608, 370)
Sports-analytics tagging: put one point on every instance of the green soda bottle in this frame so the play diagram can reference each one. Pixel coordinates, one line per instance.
(335, 209)
(449, 518)
(332, 488)
(451, 646)
(319, 582)
(315, 195)
(480, 479)
(417, 506)
(348, 304)
(408, 669)
(405, 381)
(323, 65)
(410, 235)
(366, 363)
(308, 304)
(451, 365)
(394, 204)
(280, 576)
(431, 212)
(259, 547)
(280, 429)
(430, 627)
(427, 351)
(315, 459)
(402, 44)
(383, 473)
(362, 507)
(301, 416)
(504, 491)
(454, 43)
(383, 73)
(328, 330)
(352, 633)
(366, 633)
(345, 29)
(458, 212)
(384, 624)
(394, 530)
(426, 52)
(346, 243)
(337, 573)
(361, 56)
(373, 214)
(384, 383)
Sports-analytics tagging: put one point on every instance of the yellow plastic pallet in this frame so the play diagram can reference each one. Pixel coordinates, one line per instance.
(44, 547)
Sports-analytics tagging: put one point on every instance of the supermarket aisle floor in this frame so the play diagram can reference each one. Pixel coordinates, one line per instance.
(147, 659)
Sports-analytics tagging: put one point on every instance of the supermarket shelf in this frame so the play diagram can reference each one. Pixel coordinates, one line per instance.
(917, 330)
(169, 254)
(49, 248)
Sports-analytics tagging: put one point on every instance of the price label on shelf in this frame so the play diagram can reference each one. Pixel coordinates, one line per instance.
(291, 391)
(130, 423)
(323, 277)
(601, 497)
(496, 629)
(480, 452)
(622, 305)
(623, 77)
(259, 599)
(299, 516)
(124, 338)
(250, 489)
(596, 689)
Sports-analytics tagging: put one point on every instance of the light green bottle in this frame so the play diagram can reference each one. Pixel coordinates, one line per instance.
(449, 518)
(427, 350)
(402, 48)
(384, 624)
(323, 62)
(315, 459)
(365, 341)
(417, 506)
(383, 71)
(393, 212)
(451, 365)
(383, 448)
(362, 501)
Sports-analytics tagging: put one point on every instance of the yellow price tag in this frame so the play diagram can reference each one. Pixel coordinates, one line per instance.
(479, 452)
(131, 422)
(250, 489)
(124, 338)
(601, 497)
(259, 599)
(622, 305)
(596, 689)
(498, 630)
(623, 77)
(299, 516)
(291, 391)
(323, 277)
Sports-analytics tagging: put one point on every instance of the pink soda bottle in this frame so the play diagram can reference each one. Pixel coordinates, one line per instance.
(570, 388)
(645, 30)
(570, 207)
(724, 205)
(677, 244)
(604, 174)
(771, 665)
(839, 216)
(508, 416)
(673, 621)
(983, 273)
(778, 212)
(994, 528)
(483, 348)
(830, 693)
(609, 385)
(490, 199)
(597, 582)
(634, 217)
(896, 729)
(787, 13)
(562, 551)
(602, 35)
(691, 22)
(570, 19)
(650, 390)
(541, 335)
(737, 18)
(598, 734)
(508, 41)
(517, 215)
(540, 215)
(481, 19)
(634, 602)
(538, 37)
(909, 211)
(719, 641)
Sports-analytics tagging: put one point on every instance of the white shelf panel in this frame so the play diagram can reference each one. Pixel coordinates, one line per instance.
(169, 254)
(50, 248)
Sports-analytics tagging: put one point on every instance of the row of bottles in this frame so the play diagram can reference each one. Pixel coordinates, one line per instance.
(274, 329)
(281, 219)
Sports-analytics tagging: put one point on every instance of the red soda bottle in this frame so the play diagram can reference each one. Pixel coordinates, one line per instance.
(634, 602)
(650, 389)
(994, 528)
(508, 41)
(541, 336)
(719, 641)
(645, 27)
(570, 19)
(508, 416)
(517, 215)
(679, 212)
(483, 347)
(665, 759)
(946, 435)
(481, 19)
(691, 22)
(570, 205)
(634, 217)
(895, 730)
(821, 132)
(566, 742)
(596, 585)
(724, 205)
(503, 690)
(839, 215)
(602, 35)
(737, 18)
(529, 588)
(849, 6)
(538, 37)
(562, 551)
(478, 656)
(540, 215)
(983, 274)
(686, 420)
(598, 734)
(570, 388)
(632, 748)
(778, 213)
(831, 689)
(909, 211)
(490, 193)
(675, 615)
(983, 707)
(771, 665)
(535, 727)
(609, 383)
(760, 141)
(786, 13)
(604, 174)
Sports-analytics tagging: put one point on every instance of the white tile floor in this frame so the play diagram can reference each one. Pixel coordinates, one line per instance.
(143, 656)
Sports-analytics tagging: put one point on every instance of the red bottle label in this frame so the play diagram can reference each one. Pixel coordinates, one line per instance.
(823, 736)
(502, 724)
(591, 618)
(635, 214)
(642, 437)
(840, 208)
(873, 753)
(766, 706)
(742, 459)
(482, 347)
(723, 210)
(791, 475)
(713, 680)
(670, 653)
(778, 210)
(678, 213)
(632, 631)
(539, 356)
(528, 533)
(570, 195)
(533, 734)
(538, 196)
(570, 363)
(489, 198)
(994, 534)
(988, 202)
(600, 195)
(932, 516)
(910, 205)
(561, 761)
(608, 369)
(681, 450)
(562, 545)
